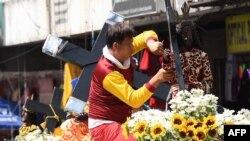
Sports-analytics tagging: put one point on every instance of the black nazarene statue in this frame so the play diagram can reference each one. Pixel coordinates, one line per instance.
(194, 62)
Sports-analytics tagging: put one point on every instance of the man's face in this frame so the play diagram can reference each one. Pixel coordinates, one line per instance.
(124, 49)
(186, 36)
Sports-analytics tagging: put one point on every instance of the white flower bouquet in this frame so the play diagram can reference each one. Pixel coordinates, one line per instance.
(193, 117)
(37, 135)
(194, 104)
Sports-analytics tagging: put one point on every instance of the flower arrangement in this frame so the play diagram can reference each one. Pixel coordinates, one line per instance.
(147, 125)
(37, 135)
(231, 117)
(193, 117)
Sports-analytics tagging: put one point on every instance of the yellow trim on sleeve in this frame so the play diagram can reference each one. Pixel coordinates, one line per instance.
(139, 42)
(116, 84)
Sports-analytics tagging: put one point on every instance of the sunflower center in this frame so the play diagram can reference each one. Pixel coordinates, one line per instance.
(210, 122)
(190, 123)
(200, 135)
(141, 129)
(182, 134)
(199, 124)
(177, 121)
(157, 131)
(190, 133)
(212, 133)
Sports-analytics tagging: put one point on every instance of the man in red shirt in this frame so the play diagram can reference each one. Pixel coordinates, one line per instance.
(112, 97)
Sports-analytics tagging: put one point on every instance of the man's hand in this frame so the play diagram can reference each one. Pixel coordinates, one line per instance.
(156, 47)
(161, 76)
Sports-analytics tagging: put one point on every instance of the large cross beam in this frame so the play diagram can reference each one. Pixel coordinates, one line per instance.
(69, 52)
(53, 111)
(66, 51)
(88, 61)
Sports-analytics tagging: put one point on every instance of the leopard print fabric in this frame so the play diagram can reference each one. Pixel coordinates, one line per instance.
(196, 70)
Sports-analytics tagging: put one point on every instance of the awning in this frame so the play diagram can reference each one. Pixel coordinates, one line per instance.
(10, 118)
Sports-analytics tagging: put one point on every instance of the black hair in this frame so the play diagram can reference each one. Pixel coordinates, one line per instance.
(32, 117)
(118, 32)
(196, 40)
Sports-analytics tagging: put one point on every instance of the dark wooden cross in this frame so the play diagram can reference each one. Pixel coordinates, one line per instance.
(52, 111)
(68, 52)
(76, 55)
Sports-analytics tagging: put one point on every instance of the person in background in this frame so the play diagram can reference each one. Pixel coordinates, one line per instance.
(112, 97)
(29, 119)
(244, 87)
(29, 122)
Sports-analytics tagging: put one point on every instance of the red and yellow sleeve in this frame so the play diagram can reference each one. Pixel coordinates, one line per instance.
(140, 41)
(116, 84)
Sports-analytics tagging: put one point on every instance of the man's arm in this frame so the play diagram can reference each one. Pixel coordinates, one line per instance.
(142, 40)
(116, 84)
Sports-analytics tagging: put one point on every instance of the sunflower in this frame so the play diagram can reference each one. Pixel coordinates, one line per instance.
(201, 133)
(209, 121)
(191, 131)
(178, 121)
(191, 122)
(212, 131)
(229, 123)
(200, 124)
(195, 138)
(140, 128)
(137, 135)
(157, 131)
(182, 133)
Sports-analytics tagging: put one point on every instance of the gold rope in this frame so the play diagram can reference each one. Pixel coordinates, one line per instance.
(55, 116)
